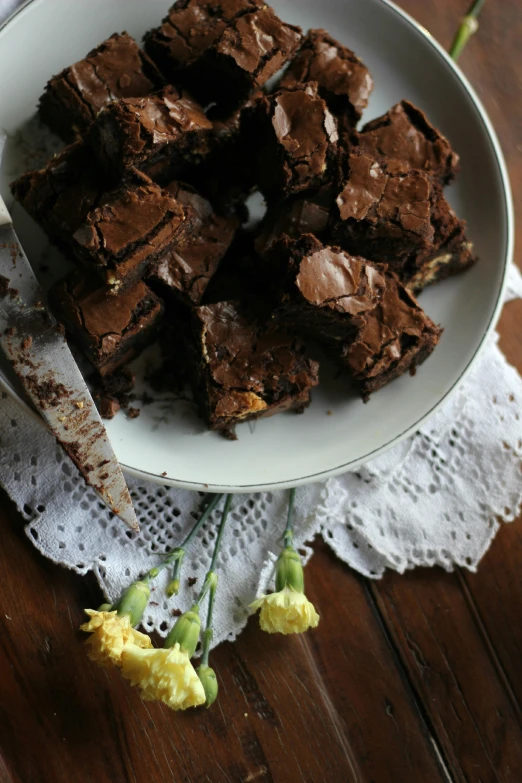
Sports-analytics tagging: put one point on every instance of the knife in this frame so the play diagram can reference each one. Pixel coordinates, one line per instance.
(35, 345)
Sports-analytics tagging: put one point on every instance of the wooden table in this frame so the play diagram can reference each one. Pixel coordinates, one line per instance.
(412, 679)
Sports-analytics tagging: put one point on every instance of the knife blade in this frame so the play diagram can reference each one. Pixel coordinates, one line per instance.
(35, 344)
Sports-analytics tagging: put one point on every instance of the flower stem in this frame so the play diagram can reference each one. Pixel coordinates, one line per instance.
(177, 554)
(208, 632)
(468, 27)
(211, 577)
(288, 535)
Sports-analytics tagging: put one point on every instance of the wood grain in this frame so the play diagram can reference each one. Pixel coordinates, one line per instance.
(415, 679)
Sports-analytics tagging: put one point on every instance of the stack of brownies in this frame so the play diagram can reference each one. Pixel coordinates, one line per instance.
(148, 200)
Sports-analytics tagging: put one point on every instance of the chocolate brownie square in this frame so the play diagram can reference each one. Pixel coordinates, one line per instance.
(294, 140)
(251, 49)
(405, 133)
(60, 196)
(188, 268)
(324, 292)
(243, 368)
(205, 45)
(189, 29)
(393, 214)
(135, 227)
(397, 337)
(117, 68)
(109, 330)
(344, 80)
(158, 134)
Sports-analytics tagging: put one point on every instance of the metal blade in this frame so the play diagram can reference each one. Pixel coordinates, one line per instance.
(35, 344)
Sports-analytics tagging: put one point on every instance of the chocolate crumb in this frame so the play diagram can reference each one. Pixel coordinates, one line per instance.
(192, 580)
(133, 413)
(176, 612)
(107, 407)
(164, 473)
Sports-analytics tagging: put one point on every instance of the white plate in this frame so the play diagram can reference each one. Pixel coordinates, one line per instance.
(288, 450)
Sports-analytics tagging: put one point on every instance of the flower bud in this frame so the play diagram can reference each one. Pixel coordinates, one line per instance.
(208, 678)
(134, 601)
(186, 632)
(173, 588)
(289, 570)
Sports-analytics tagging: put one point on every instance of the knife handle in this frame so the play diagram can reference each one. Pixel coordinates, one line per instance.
(5, 217)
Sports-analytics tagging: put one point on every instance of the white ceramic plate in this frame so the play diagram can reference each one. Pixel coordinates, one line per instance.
(168, 443)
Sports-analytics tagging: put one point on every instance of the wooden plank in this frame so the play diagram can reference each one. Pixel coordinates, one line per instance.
(331, 706)
(451, 669)
(492, 63)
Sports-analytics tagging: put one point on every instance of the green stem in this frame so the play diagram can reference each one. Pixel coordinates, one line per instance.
(288, 535)
(468, 27)
(208, 632)
(211, 577)
(177, 554)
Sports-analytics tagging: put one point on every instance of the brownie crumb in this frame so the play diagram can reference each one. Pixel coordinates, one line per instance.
(114, 392)
(133, 413)
(107, 407)
(176, 612)
(26, 343)
(191, 581)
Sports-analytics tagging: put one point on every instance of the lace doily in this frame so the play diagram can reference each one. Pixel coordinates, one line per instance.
(436, 498)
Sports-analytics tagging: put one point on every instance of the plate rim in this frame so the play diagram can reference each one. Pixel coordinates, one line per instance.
(508, 259)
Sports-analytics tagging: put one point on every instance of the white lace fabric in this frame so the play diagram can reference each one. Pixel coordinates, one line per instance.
(436, 498)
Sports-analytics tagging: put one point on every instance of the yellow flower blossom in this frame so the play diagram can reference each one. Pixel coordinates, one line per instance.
(164, 674)
(109, 634)
(287, 611)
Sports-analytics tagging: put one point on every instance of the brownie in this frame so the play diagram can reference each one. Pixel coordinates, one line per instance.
(324, 292)
(397, 337)
(160, 134)
(117, 68)
(188, 268)
(250, 50)
(221, 49)
(60, 196)
(188, 31)
(131, 232)
(294, 217)
(344, 81)
(294, 140)
(388, 212)
(243, 368)
(109, 330)
(405, 133)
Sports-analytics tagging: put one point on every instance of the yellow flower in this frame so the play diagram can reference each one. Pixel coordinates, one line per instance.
(165, 674)
(288, 611)
(110, 632)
